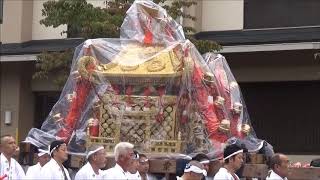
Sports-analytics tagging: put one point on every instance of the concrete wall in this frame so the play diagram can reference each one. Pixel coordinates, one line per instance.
(221, 15)
(97, 3)
(43, 85)
(10, 95)
(26, 20)
(17, 17)
(27, 104)
(11, 26)
(17, 97)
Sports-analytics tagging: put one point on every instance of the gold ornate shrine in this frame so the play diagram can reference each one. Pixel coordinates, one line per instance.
(148, 121)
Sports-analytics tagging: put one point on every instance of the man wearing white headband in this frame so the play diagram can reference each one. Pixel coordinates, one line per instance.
(54, 169)
(133, 172)
(233, 160)
(96, 157)
(34, 171)
(204, 160)
(194, 170)
(143, 167)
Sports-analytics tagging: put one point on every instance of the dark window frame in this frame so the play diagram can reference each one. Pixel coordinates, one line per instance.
(257, 15)
(1, 11)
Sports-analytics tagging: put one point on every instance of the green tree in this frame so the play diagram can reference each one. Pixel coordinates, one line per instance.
(86, 21)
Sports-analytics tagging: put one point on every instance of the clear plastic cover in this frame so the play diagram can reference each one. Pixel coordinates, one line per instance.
(151, 87)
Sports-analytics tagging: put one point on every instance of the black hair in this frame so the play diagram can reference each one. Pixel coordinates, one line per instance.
(200, 157)
(55, 145)
(229, 150)
(275, 159)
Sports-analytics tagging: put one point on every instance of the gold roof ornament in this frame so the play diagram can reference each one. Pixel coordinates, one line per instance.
(138, 64)
(145, 61)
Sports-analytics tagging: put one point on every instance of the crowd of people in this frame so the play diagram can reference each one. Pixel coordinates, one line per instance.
(129, 164)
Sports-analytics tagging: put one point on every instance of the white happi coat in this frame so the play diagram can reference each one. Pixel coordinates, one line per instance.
(52, 171)
(135, 176)
(12, 171)
(33, 172)
(115, 173)
(86, 172)
(152, 177)
(274, 176)
(223, 174)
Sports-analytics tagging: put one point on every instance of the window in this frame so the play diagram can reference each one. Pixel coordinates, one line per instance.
(281, 13)
(284, 117)
(44, 101)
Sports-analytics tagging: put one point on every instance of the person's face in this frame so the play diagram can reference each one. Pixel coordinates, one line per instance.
(61, 153)
(17, 151)
(44, 159)
(282, 169)
(100, 158)
(133, 168)
(237, 161)
(127, 158)
(143, 167)
(206, 166)
(8, 146)
(194, 176)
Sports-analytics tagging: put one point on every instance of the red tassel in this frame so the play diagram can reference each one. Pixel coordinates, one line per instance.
(207, 109)
(160, 116)
(129, 92)
(83, 88)
(148, 37)
(3, 177)
(146, 93)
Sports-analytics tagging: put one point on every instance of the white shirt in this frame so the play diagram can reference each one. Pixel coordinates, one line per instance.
(115, 173)
(223, 174)
(33, 172)
(152, 177)
(135, 176)
(274, 176)
(53, 171)
(86, 172)
(12, 171)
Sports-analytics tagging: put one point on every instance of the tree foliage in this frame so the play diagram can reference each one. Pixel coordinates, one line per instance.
(86, 21)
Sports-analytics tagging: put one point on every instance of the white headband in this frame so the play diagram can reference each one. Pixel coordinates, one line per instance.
(43, 152)
(94, 151)
(205, 162)
(195, 169)
(136, 156)
(142, 161)
(55, 148)
(235, 153)
(52, 150)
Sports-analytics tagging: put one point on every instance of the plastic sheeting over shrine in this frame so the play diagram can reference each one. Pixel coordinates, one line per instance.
(150, 87)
